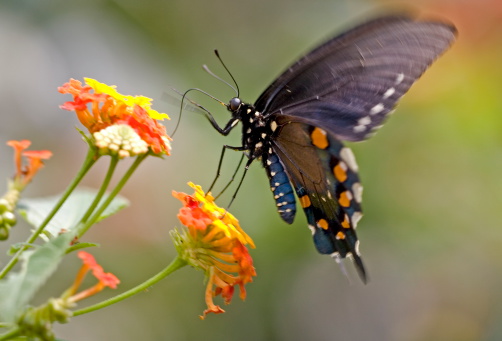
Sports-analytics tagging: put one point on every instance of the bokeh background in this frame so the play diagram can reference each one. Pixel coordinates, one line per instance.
(431, 236)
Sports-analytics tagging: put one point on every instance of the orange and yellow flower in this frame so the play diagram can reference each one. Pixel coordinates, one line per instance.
(215, 243)
(99, 106)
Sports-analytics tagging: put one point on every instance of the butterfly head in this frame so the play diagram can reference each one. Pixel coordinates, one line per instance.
(234, 104)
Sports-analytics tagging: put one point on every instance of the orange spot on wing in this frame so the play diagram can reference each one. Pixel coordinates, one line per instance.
(344, 199)
(340, 235)
(322, 223)
(319, 138)
(305, 201)
(345, 222)
(339, 172)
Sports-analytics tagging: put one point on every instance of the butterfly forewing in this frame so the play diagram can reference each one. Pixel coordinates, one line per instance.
(349, 84)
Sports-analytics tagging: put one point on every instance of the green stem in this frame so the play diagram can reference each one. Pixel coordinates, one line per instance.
(84, 226)
(14, 332)
(176, 264)
(113, 164)
(88, 163)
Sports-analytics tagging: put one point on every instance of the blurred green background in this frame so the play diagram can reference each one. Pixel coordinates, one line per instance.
(431, 235)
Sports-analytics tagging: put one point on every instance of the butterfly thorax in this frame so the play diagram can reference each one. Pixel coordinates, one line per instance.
(256, 132)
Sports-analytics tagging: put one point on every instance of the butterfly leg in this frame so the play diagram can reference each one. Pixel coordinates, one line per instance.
(248, 163)
(232, 178)
(218, 171)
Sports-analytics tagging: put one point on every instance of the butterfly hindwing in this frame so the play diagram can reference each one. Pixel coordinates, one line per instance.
(324, 175)
(350, 83)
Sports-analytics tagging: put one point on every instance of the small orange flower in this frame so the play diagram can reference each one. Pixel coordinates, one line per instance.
(18, 146)
(105, 279)
(215, 243)
(99, 106)
(35, 157)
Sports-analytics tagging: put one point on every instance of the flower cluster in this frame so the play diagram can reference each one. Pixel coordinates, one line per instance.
(215, 243)
(121, 125)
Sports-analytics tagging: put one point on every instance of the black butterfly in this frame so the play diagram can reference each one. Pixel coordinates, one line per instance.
(342, 90)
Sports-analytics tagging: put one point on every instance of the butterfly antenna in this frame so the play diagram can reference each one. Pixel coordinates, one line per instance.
(206, 68)
(236, 89)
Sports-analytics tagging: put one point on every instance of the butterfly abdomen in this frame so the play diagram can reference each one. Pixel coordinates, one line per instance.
(280, 186)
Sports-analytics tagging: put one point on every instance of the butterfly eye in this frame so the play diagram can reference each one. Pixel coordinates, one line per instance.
(234, 104)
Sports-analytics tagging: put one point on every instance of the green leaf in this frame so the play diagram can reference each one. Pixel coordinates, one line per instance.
(37, 266)
(35, 210)
(80, 246)
(17, 246)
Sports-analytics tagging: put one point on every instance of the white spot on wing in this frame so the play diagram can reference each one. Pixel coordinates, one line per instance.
(362, 124)
(312, 229)
(399, 78)
(357, 189)
(359, 129)
(349, 158)
(273, 125)
(389, 93)
(377, 109)
(355, 218)
(364, 121)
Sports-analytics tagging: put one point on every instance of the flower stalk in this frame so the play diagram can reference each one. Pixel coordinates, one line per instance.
(176, 264)
(89, 161)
